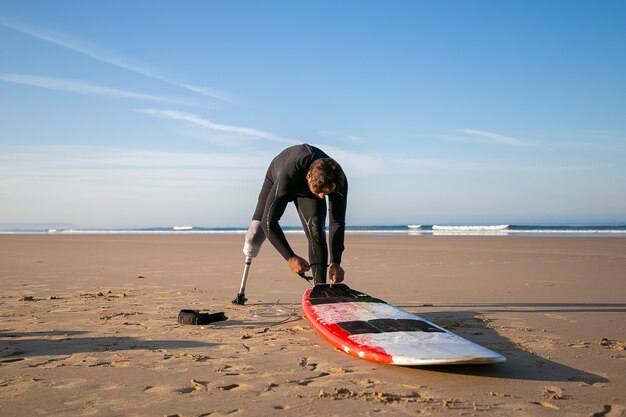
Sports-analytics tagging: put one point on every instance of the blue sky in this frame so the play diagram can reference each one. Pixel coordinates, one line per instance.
(136, 114)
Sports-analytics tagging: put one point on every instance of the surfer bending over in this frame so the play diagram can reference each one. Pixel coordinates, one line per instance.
(305, 175)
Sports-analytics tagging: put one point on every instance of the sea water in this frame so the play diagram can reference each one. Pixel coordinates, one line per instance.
(612, 229)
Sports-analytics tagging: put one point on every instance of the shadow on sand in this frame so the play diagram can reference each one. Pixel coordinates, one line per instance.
(520, 364)
(60, 342)
(541, 307)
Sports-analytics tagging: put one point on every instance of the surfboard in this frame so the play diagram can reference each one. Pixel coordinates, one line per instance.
(372, 329)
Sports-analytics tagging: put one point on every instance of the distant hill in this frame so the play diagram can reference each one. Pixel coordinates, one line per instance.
(33, 227)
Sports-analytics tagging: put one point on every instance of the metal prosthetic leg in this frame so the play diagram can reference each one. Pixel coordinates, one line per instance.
(251, 247)
(241, 295)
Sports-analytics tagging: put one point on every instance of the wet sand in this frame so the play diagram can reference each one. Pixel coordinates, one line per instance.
(89, 327)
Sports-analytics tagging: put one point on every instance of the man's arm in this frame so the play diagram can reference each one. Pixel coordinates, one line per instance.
(274, 209)
(337, 222)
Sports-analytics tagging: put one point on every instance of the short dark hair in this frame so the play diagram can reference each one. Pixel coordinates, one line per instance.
(326, 175)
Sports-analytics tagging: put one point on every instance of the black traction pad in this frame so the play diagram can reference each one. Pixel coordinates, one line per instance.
(388, 326)
(339, 293)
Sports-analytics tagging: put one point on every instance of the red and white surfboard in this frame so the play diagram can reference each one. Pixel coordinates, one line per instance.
(369, 328)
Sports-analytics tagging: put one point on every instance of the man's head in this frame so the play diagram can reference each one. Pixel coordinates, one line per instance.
(324, 177)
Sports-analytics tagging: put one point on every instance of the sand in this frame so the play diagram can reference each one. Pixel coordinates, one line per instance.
(89, 327)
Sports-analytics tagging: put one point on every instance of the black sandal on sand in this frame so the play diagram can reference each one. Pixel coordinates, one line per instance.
(196, 318)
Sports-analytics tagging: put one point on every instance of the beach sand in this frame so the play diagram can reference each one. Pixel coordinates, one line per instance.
(89, 327)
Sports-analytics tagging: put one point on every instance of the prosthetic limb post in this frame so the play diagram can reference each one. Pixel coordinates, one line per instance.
(241, 299)
(252, 245)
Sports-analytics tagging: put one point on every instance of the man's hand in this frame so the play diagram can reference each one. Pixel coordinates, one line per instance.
(335, 274)
(298, 265)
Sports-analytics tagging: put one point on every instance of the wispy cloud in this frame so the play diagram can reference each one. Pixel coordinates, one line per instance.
(101, 54)
(439, 166)
(433, 165)
(346, 138)
(85, 156)
(247, 132)
(99, 185)
(209, 92)
(81, 87)
(490, 137)
(353, 139)
(126, 167)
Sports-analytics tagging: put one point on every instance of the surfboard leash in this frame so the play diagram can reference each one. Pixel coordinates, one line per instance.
(310, 279)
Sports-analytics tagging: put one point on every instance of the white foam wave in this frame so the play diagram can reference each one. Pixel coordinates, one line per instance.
(471, 228)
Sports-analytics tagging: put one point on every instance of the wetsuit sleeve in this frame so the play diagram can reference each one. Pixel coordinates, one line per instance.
(274, 209)
(337, 223)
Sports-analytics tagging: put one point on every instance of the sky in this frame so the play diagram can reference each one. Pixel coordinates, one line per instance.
(143, 113)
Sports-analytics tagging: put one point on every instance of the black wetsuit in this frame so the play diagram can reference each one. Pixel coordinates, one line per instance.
(285, 181)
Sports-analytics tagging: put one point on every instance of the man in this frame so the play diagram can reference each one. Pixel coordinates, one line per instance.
(305, 175)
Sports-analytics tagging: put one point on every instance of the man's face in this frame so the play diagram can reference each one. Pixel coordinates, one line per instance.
(317, 193)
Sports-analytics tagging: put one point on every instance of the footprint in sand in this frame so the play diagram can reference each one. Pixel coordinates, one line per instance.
(304, 363)
(306, 381)
(166, 389)
(110, 386)
(547, 404)
(228, 387)
(68, 384)
(559, 317)
(113, 364)
(554, 393)
(339, 370)
(199, 385)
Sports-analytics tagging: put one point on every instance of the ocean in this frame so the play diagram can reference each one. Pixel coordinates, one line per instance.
(612, 229)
